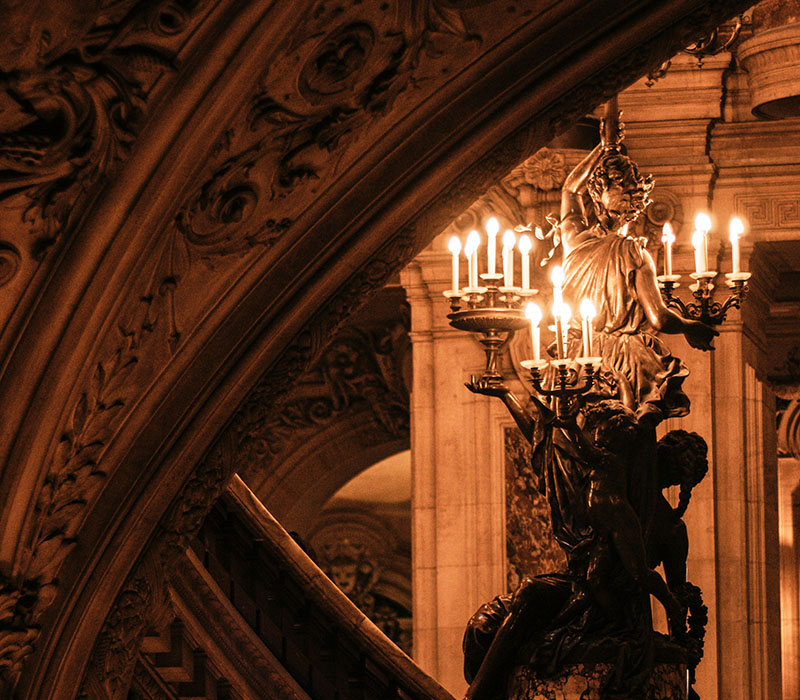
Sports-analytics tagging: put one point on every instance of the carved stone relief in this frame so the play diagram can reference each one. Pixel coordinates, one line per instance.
(363, 370)
(74, 96)
(359, 552)
(764, 212)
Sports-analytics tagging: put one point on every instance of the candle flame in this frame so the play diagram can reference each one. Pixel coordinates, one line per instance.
(667, 235)
(492, 226)
(587, 309)
(473, 241)
(533, 313)
(525, 244)
(736, 227)
(454, 246)
(557, 276)
(509, 239)
(565, 312)
(698, 239)
(702, 222)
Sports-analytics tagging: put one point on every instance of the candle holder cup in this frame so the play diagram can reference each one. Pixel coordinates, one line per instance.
(704, 308)
(494, 313)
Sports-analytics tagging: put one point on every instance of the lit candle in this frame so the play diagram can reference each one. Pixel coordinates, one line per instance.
(587, 314)
(736, 229)
(534, 314)
(471, 251)
(566, 315)
(557, 278)
(525, 245)
(702, 223)
(509, 239)
(455, 249)
(492, 228)
(667, 238)
(560, 351)
(698, 238)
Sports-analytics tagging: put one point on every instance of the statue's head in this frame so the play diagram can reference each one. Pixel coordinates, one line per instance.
(610, 424)
(619, 192)
(682, 459)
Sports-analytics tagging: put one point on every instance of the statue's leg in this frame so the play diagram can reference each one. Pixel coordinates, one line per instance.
(534, 605)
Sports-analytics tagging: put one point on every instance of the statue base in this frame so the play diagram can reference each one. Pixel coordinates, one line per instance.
(584, 682)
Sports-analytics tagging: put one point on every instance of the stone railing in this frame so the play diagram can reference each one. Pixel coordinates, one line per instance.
(251, 603)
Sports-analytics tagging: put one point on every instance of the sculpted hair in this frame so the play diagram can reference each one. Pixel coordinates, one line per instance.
(617, 169)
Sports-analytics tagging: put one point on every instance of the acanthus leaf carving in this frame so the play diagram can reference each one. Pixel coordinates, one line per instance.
(71, 114)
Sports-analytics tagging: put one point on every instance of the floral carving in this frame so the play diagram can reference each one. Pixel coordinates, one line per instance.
(142, 603)
(219, 219)
(72, 102)
(545, 170)
(350, 76)
(362, 369)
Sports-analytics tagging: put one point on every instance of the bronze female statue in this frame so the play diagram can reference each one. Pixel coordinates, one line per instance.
(596, 458)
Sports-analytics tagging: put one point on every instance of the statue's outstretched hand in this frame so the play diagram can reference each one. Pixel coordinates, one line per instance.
(487, 387)
(699, 335)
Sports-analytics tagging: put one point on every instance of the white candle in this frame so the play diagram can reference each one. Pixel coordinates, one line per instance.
(698, 241)
(702, 223)
(557, 278)
(587, 314)
(566, 315)
(455, 249)
(559, 330)
(667, 238)
(492, 228)
(525, 246)
(534, 314)
(471, 251)
(509, 239)
(736, 229)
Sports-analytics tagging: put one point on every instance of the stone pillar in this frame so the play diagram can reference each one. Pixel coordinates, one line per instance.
(457, 473)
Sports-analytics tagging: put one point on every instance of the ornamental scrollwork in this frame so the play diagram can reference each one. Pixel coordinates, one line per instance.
(363, 369)
(347, 78)
(73, 95)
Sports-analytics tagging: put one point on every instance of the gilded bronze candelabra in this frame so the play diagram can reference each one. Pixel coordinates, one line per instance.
(494, 312)
(704, 308)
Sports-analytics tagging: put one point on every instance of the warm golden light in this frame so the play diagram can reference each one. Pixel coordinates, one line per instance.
(533, 313)
(492, 226)
(702, 222)
(525, 244)
(587, 309)
(454, 246)
(667, 234)
(509, 239)
(736, 227)
(471, 251)
(699, 243)
(557, 276)
(588, 312)
(473, 241)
